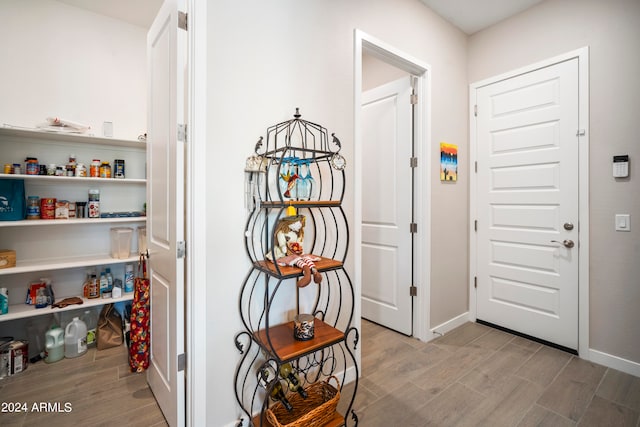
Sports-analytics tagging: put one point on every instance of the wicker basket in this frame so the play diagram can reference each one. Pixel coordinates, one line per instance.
(314, 411)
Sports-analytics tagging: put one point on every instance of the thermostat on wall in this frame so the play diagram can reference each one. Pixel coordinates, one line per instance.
(621, 166)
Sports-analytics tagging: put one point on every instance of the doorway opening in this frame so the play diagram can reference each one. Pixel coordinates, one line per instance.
(376, 63)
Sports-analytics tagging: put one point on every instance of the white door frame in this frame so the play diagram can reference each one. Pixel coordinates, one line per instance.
(195, 217)
(583, 193)
(365, 43)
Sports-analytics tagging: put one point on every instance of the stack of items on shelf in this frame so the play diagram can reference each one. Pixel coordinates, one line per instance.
(96, 168)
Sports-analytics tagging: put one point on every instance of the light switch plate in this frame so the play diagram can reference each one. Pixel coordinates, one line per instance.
(623, 222)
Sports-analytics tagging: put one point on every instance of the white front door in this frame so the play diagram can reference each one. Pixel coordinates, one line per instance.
(527, 203)
(387, 203)
(165, 210)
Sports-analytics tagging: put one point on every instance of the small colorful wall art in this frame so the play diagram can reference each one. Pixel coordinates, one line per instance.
(448, 162)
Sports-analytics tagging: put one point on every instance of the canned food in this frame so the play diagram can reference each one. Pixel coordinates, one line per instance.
(47, 208)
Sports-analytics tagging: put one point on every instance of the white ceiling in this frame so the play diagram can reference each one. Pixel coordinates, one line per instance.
(468, 15)
(474, 15)
(136, 12)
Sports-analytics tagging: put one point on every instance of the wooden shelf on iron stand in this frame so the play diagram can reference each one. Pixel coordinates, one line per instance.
(325, 264)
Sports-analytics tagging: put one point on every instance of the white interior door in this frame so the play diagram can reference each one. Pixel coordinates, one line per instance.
(387, 205)
(165, 210)
(527, 203)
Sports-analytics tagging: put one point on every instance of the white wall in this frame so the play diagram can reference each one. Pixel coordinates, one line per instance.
(59, 60)
(265, 59)
(611, 29)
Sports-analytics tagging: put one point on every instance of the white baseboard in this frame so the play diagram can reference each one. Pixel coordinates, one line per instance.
(614, 362)
(449, 325)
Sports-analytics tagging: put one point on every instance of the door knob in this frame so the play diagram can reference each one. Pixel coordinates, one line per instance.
(567, 243)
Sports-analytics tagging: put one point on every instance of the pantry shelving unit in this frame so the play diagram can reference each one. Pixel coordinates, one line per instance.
(269, 298)
(62, 249)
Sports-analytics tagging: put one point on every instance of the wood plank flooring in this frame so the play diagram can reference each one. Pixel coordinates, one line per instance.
(480, 376)
(472, 376)
(95, 389)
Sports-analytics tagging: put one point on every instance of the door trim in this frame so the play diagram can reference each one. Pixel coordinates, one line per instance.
(582, 55)
(196, 217)
(364, 42)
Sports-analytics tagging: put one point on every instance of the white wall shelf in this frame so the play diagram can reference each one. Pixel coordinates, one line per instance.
(21, 311)
(46, 179)
(63, 263)
(74, 138)
(64, 222)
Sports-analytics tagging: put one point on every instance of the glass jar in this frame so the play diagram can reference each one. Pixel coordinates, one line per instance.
(33, 207)
(105, 170)
(94, 169)
(81, 170)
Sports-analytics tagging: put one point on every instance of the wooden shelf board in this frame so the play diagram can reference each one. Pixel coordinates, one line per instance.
(324, 264)
(287, 348)
(300, 203)
(20, 311)
(336, 421)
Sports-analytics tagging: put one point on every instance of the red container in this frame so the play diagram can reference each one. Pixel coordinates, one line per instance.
(47, 208)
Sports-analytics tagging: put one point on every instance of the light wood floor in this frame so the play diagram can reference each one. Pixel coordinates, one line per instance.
(97, 389)
(479, 376)
(473, 376)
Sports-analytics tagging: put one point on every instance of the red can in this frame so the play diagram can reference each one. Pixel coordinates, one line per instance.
(47, 208)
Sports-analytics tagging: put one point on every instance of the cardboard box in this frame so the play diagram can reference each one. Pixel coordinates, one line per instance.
(7, 258)
(15, 357)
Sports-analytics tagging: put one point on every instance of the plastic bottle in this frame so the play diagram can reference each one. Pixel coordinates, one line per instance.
(75, 338)
(128, 278)
(104, 283)
(94, 287)
(54, 344)
(91, 321)
(109, 277)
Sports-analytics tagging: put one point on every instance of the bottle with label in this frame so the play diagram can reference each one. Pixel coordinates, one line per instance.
(75, 338)
(94, 287)
(268, 381)
(128, 278)
(33, 207)
(105, 170)
(91, 321)
(104, 283)
(107, 272)
(94, 169)
(94, 203)
(287, 372)
(81, 170)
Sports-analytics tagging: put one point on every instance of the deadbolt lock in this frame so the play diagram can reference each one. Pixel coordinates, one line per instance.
(568, 226)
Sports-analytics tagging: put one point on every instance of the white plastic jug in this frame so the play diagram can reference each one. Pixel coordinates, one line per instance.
(54, 345)
(75, 338)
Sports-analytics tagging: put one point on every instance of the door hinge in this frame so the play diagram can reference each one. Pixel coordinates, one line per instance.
(413, 291)
(413, 227)
(476, 166)
(182, 132)
(475, 110)
(413, 162)
(475, 282)
(180, 253)
(182, 362)
(414, 99)
(182, 20)
(475, 225)
(581, 132)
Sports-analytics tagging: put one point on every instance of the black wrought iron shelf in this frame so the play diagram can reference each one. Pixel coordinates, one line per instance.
(302, 150)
